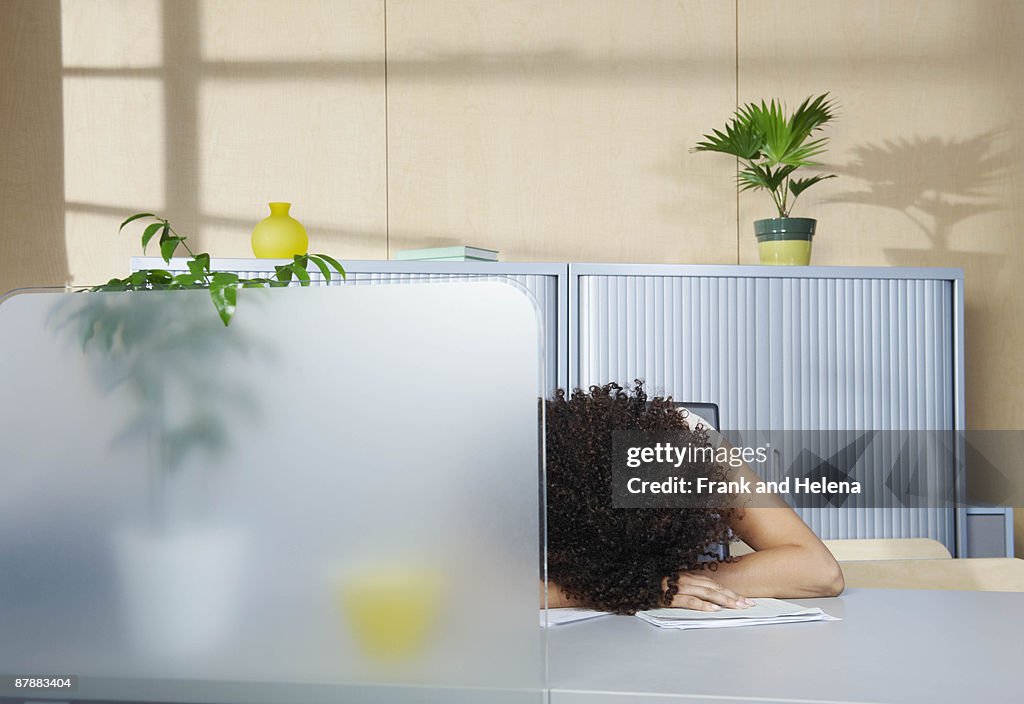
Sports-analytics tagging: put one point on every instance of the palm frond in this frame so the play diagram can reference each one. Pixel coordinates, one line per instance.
(750, 179)
(785, 140)
(740, 139)
(799, 185)
(811, 115)
(773, 146)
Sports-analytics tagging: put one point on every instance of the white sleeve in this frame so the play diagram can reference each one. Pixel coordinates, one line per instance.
(694, 420)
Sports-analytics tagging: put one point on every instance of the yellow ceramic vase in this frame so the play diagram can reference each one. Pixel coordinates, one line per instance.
(279, 236)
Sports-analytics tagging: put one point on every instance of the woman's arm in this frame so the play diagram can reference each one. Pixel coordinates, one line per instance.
(696, 591)
(557, 599)
(789, 559)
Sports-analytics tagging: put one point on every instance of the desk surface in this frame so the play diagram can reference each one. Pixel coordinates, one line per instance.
(893, 646)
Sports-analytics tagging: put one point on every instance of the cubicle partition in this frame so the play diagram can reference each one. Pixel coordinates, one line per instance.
(335, 498)
(777, 348)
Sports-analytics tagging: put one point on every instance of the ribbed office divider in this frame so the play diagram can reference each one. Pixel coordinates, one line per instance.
(545, 286)
(835, 350)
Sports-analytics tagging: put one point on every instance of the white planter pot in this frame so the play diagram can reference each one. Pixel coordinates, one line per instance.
(180, 592)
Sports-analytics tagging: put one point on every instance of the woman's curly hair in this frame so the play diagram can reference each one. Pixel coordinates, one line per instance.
(615, 559)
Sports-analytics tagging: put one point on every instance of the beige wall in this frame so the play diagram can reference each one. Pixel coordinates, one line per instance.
(559, 131)
(928, 149)
(548, 130)
(32, 247)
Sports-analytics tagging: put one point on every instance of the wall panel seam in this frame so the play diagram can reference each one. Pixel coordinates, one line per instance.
(387, 135)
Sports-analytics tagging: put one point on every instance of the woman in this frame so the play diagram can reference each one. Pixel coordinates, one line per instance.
(624, 560)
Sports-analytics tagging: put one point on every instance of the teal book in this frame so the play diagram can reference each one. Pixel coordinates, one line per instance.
(461, 253)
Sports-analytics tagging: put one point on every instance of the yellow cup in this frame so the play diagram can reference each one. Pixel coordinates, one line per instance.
(392, 613)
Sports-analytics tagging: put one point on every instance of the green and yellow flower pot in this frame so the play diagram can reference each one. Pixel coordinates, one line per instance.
(785, 241)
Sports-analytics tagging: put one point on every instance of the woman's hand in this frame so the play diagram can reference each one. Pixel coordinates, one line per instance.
(702, 593)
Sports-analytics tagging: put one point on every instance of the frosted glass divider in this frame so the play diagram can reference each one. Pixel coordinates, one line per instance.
(335, 496)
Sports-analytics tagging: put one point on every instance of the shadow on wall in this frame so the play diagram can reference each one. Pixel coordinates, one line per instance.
(184, 73)
(936, 184)
(939, 185)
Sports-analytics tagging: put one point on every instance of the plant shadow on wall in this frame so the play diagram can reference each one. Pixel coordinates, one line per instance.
(936, 184)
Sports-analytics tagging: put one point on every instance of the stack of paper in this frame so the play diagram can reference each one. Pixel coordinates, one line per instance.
(765, 612)
(557, 617)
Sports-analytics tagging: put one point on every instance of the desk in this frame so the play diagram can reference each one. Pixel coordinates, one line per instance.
(893, 646)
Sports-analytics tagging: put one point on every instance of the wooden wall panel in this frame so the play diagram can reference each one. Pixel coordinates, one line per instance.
(292, 108)
(32, 251)
(560, 130)
(928, 147)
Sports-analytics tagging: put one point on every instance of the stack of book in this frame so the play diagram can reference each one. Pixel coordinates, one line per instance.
(461, 253)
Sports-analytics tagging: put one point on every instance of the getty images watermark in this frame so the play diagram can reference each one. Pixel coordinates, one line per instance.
(846, 468)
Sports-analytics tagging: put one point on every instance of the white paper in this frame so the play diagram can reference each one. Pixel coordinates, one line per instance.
(557, 617)
(765, 612)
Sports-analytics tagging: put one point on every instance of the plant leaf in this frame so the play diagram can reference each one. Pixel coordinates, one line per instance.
(158, 277)
(167, 247)
(334, 263)
(799, 185)
(133, 218)
(300, 273)
(112, 285)
(785, 140)
(741, 139)
(187, 280)
(199, 265)
(149, 232)
(225, 300)
(224, 294)
(322, 266)
(283, 273)
(256, 282)
(754, 177)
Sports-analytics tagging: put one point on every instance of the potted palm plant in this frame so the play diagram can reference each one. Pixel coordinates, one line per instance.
(770, 147)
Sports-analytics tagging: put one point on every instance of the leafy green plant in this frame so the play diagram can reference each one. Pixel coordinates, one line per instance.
(223, 285)
(771, 146)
